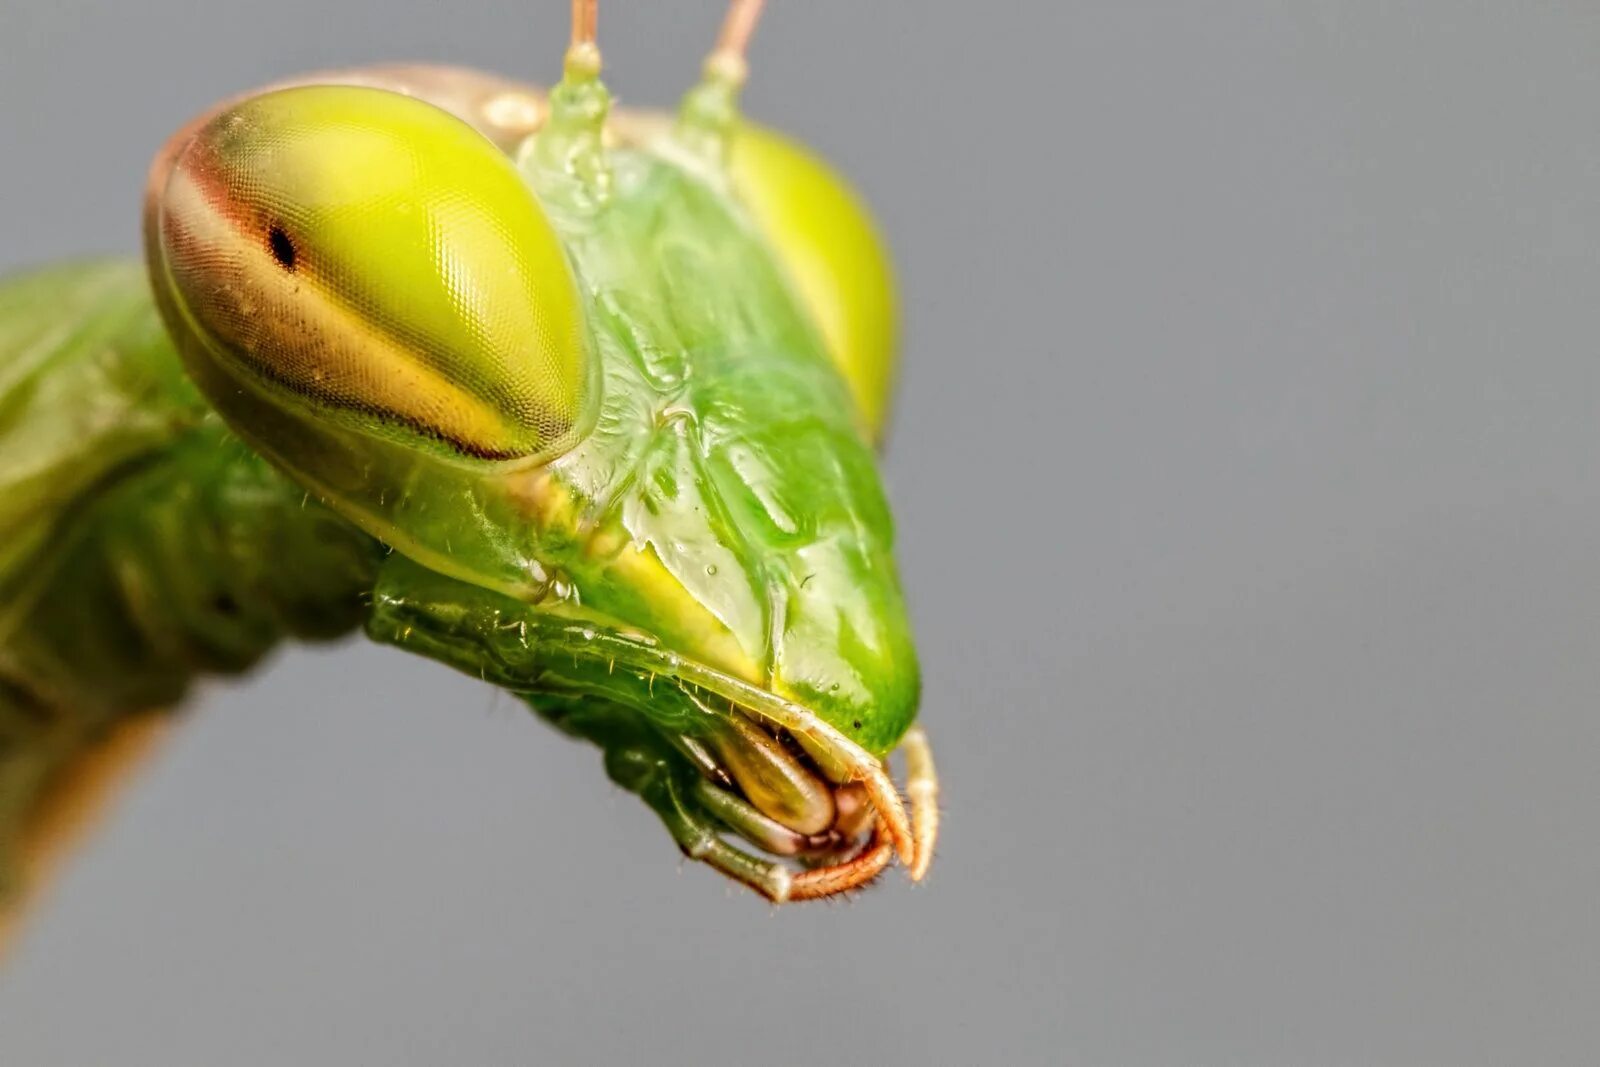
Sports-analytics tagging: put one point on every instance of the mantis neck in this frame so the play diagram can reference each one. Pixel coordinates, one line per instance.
(134, 553)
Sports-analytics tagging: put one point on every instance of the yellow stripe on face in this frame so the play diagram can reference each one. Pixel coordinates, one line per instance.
(383, 262)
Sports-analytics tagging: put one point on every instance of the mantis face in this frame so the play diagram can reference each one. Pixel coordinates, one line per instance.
(617, 433)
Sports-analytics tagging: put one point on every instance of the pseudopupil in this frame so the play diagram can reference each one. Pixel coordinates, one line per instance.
(282, 247)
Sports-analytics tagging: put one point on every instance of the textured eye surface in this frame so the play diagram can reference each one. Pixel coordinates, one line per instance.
(372, 258)
(831, 250)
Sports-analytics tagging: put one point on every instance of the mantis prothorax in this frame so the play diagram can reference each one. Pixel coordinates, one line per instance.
(579, 403)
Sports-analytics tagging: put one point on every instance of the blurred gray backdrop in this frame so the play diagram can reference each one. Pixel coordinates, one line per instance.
(1245, 475)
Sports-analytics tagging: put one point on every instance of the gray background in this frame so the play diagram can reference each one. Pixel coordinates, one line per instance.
(1245, 476)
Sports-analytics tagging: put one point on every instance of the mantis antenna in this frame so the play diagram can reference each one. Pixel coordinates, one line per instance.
(727, 60)
(710, 110)
(570, 147)
(572, 144)
(583, 53)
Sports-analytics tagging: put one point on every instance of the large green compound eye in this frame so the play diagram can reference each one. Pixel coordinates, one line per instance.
(831, 250)
(373, 259)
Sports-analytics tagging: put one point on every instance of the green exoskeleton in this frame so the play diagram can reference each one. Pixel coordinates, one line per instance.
(581, 403)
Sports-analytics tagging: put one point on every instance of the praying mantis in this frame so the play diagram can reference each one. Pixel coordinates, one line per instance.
(582, 403)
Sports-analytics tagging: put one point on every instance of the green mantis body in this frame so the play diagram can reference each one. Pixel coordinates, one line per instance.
(560, 409)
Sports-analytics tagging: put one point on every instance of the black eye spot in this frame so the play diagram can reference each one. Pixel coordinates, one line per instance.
(856, 724)
(282, 247)
(225, 604)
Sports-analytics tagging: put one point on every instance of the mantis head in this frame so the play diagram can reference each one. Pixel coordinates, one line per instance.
(620, 471)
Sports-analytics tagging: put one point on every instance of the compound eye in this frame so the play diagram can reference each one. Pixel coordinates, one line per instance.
(370, 258)
(826, 241)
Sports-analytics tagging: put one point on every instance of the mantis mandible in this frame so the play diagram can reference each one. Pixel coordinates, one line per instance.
(581, 403)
